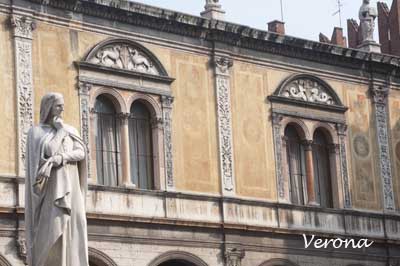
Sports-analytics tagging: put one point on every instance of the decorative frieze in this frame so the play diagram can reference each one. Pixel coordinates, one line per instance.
(167, 102)
(341, 130)
(379, 96)
(276, 123)
(22, 32)
(222, 80)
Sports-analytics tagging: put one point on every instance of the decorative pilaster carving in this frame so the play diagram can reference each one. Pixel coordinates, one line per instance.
(21, 249)
(276, 123)
(222, 79)
(84, 89)
(341, 130)
(167, 117)
(234, 256)
(22, 32)
(379, 96)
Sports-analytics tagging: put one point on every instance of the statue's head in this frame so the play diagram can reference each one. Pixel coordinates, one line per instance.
(366, 2)
(52, 105)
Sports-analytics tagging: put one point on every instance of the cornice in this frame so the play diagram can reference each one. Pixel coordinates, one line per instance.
(232, 34)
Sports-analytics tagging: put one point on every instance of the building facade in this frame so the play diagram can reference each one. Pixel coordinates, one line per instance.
(210, 143)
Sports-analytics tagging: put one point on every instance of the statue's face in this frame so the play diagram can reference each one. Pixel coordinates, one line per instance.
(366, 2)
(58, 108)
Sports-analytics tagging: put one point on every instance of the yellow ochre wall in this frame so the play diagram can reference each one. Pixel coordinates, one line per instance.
(195, 133)
(8, 110)
(394, 125)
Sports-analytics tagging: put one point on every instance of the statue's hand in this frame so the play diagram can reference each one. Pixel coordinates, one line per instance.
(57, 160)
(58, 123)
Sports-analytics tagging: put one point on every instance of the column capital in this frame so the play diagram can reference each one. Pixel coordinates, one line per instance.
(23, 26)
(341, 129)
(307, 144)
(379, 94)
(84, 88)
(276, 119)
(167, 101)
(234, 256)
(222, 65)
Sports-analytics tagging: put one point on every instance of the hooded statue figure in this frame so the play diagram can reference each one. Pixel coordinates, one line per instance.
(55, 189)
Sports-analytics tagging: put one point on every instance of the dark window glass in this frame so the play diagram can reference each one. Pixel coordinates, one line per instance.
(107, 142)
(322, 177)
(295, 159)
(141, 148)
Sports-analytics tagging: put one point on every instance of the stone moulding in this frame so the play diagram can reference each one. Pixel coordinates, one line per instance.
(100, 258)
(222, 31)
(379, 95)
(22, 32)
(222, 83)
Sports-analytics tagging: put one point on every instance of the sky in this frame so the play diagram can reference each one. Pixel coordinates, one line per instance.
(303, 19)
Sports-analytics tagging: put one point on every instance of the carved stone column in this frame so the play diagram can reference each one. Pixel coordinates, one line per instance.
(341, 130)
(379, 96)
(125, 156)
(311, 197)
(168, 151)
(224, 116)
(279, 148)
(84, 89)
(336, 179)
(22, 33)
(234, 256)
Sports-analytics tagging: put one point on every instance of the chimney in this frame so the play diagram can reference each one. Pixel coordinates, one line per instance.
(389, 27)
(394, 22)
(277, 26)
(323, 38)
(338, 38)
(213, 10)
(384, 27)
(353, 33)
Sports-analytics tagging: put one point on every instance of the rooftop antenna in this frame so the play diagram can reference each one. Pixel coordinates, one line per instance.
(339, 11)
(282, 10)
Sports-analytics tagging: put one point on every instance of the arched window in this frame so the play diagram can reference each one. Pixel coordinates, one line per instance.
(322, 172)
(296, 161)
(141, 147)
(108, 161)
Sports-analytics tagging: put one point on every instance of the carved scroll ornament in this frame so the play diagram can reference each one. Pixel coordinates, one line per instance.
(309, 91)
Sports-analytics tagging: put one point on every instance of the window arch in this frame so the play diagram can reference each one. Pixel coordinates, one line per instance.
(322, 169)
(278, 262)
(141, 146)
(107, 140)
(296, 165)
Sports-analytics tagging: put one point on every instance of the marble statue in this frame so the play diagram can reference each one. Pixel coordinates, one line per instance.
(55, 189)
(367, 17)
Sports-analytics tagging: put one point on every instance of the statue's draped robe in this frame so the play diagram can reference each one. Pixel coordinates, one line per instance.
(55, 220)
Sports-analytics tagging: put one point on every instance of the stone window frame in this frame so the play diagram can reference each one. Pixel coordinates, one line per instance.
(123, 86)
(177, 255)
(328, 115)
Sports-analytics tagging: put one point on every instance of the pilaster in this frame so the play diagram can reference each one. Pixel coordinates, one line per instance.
(167, 102)
(83, 91)
(379, 97)
(222, 64)
(341, 131)
(22, 35)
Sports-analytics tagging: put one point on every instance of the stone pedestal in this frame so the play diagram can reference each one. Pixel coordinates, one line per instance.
(370, 46)
(213, 11)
